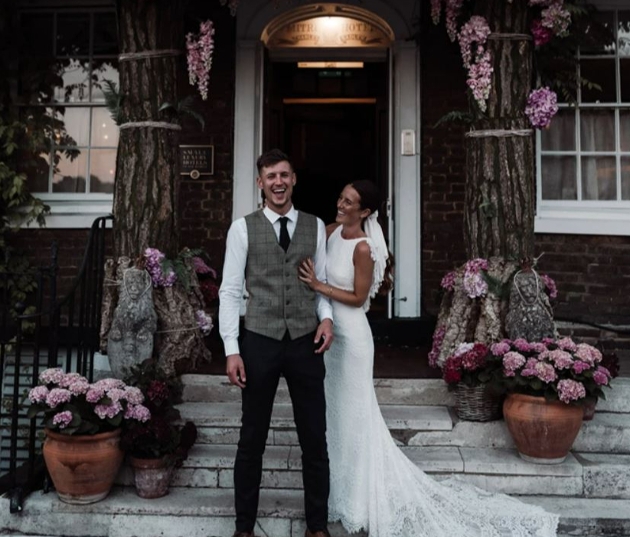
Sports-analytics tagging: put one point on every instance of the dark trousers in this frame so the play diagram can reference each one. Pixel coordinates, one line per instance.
(265, 360)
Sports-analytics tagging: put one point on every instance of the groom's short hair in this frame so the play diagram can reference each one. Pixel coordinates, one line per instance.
(270, 158)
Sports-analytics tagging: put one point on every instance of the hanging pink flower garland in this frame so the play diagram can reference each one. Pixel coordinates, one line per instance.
(199, 55)
(554, 21)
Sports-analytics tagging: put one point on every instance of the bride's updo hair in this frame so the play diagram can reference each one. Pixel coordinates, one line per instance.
(370, 198)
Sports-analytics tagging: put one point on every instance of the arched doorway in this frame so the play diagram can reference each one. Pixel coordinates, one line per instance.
(339, 122)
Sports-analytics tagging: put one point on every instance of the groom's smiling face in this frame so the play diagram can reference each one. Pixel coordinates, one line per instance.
(277, 182)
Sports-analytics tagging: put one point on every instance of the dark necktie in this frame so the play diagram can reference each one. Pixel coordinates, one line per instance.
(285, 240)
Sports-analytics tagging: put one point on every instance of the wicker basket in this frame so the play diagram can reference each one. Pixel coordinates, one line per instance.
(477, 404)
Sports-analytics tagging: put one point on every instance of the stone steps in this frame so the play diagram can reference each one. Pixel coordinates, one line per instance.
(498, 470)
(209, 513)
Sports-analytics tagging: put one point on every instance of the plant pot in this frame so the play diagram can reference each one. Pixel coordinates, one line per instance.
(152, 477)
(543, 431)
(477, 403)
(588, 408)
(82, 467)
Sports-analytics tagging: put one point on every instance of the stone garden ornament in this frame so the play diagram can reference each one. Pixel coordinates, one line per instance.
(130, 340)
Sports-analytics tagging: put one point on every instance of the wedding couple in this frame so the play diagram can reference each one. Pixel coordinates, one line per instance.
(299, 282)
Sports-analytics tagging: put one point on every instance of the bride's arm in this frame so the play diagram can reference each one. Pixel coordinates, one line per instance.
(363, 272)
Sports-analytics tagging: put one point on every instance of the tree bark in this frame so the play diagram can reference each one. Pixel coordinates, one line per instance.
(500, 190)
(147, 163)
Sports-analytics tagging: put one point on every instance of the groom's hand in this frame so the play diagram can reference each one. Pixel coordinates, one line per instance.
(324, 335)
(235, 370)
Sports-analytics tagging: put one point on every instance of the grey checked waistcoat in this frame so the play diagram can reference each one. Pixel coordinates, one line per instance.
(278, 300)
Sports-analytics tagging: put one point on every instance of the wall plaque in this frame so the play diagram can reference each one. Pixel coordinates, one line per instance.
(196, 160)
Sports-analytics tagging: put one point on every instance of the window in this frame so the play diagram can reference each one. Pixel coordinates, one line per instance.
(583, 159)
(78, 50)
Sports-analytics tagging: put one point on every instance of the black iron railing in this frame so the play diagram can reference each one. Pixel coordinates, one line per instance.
(45, 333)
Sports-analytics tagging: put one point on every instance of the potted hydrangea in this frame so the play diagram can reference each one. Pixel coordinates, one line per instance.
(160, 444)
(547, 384)
(82, 423)
(470, 370)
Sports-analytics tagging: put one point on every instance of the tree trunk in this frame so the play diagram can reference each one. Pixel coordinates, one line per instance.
(147, 163)
(500, 190)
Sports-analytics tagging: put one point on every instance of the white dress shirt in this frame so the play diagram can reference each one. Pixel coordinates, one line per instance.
(232, 288)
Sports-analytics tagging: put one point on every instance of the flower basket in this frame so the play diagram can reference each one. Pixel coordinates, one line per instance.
(477, 403)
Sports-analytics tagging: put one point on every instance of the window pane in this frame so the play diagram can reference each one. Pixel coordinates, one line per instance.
(624, 71)
(37, 30)
(76, 78)
(599, 178)
(102, 170)
(559, 178)
(103, 70)
(597, 130)
(560, 136)
(104, 130)
(105, 34)
(623, 30)
(625, 178)
(601, 72)
(77, 122)
(70, 173)
(73, 35)
(624, 128)
(602, 34)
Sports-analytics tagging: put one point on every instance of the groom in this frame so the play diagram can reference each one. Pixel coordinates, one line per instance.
(287, 329)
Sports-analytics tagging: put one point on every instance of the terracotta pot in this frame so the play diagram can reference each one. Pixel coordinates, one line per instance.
(543, 431)
(83, 467)
(152, 477)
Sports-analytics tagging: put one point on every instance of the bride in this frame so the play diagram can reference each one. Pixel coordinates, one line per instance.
(373, 486)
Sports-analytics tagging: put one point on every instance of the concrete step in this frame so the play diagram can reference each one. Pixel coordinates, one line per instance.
(209, 513)
(497, 470)
(426, 392)
(411, 425)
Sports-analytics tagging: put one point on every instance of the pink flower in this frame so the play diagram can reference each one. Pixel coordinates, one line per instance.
(153, 264)
(116, 394)
(58, 396)
(588, 354)
(500, 348)
(570, 390)
(438, 338)
(511, 362)
(579, 366)
(556, 19)
(522, 345)
(62, 419)
(134, 395)
(200, 267)
(204, 322)
(79, 387)
(546, 372)
(109, 384)
(542, 35)
(199, 56)
(567, 344)
(38, 394)
(138, 412)
(108, 411)
(550, 285)
(560, 358)
(51, 376)
(94, 394)
(448, 281)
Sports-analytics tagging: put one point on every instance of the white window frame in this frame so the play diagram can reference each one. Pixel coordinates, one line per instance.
(585, 217)
(74, 210)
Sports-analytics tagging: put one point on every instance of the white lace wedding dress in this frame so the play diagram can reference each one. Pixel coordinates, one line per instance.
(373, 485)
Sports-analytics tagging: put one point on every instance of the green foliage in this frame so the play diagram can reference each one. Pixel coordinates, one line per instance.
(113, 101)
(456, 117)
(185, 107)
(180, 265)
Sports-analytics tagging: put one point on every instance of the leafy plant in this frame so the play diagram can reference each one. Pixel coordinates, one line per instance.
(185, 107)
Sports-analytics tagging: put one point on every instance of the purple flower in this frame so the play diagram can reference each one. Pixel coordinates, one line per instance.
(200, 267)
(567, 344)
(556, 19)
(62, 419)
(601, 376)
(38, 394)
(94, 394)
(448, 281)
(550, 285)
(579, 366)
(108, 384)
(58, 396)
(438, 338)
(546, 372)
(511, 362)
(79, 387)
(542, 105)
(71, 378)
(500, 348)
(204, 322)
(134, 395)
(529, 370)
(199, 57)
(522, 345)
(116, 394)
(588, 354)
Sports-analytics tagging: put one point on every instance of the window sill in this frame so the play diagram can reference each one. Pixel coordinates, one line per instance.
(75, 214)
(583, 222)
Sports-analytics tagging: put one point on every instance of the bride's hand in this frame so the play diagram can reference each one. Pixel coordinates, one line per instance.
(306, 273)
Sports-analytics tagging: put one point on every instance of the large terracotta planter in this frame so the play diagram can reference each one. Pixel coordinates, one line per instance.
(543, 431)
(83, 467)
(152, 477)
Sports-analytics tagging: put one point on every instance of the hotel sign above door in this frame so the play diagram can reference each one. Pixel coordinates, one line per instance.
(328, 32)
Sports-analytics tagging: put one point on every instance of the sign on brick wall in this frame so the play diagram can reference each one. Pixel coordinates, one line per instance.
(196, 160)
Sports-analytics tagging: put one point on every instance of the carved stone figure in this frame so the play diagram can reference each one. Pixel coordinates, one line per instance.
(130, 340)
(529, 313)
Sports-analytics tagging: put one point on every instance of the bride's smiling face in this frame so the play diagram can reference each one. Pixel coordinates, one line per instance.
(349, 209)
